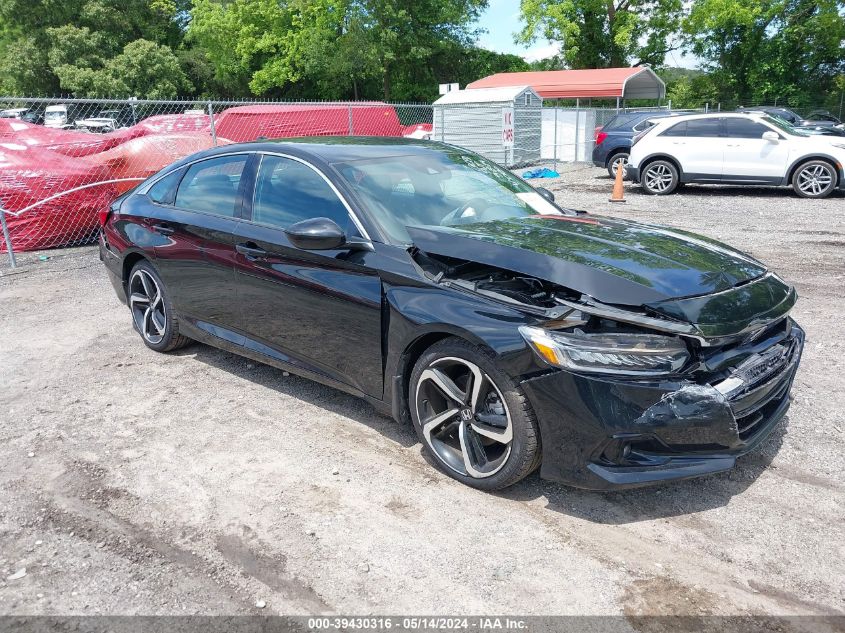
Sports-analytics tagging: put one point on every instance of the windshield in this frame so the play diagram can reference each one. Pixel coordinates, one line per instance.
(783, 125)
(54, 115)
(440, 188)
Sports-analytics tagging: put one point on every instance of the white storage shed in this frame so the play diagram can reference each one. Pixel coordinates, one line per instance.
(502, 124)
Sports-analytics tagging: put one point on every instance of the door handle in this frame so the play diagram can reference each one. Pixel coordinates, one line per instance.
(251, 250)
(164, 228)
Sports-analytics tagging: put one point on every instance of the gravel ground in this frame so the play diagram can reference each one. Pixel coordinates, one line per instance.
(200, 482)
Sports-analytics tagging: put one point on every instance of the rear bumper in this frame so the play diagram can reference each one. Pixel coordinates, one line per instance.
(633, 173)
(114, 265)
(606, 434)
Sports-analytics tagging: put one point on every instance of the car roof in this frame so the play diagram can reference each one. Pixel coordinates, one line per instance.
(623, 119)
(334, 149)
(714, 115)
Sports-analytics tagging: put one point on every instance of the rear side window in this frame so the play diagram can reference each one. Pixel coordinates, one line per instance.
(679, 129)
(620, 121)
(745, 128)
(165, 189)
(287, 191)
(701, 128)
(211, 186)
(704, 127)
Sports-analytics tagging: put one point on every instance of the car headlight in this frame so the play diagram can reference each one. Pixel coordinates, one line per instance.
(608, 353)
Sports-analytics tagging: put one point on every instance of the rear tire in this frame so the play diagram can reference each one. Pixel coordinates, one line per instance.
(615, 161)
(659, 178)
(152, 312)
(474, 421)
(814, 179)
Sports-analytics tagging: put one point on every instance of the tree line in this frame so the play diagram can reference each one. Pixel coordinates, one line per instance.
(399, 50)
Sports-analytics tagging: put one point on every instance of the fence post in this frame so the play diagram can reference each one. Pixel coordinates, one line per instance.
(8, 239)
(213, 129)
(351, 125)
(577, 126)
(557, 101)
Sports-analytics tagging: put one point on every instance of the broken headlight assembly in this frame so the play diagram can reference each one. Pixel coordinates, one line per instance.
(608, 353)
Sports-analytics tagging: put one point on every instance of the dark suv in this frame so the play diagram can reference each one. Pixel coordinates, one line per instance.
(613, 140)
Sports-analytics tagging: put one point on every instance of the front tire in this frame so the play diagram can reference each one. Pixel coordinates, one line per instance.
(659, 178)
(472, 418)
(152, 312)
(814, 179)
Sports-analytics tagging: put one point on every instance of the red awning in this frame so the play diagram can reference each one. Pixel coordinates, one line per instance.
(627, 83)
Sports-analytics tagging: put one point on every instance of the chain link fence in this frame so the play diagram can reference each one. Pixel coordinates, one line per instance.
(63, 161)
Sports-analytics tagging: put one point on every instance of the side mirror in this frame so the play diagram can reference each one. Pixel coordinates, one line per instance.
(770, 136)
(323, 234)
(548, 195)
(316, 234)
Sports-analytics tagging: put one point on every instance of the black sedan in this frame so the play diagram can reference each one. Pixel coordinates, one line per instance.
(513, 333)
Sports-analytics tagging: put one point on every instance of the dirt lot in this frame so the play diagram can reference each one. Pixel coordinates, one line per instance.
(200, 482)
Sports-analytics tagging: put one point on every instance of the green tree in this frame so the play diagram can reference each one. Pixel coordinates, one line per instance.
(48, 46)
(604, 33)
(334, 48)
(755, 52)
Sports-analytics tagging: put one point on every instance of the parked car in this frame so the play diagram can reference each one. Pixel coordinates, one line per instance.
(30, 115)
(98, 125)
(61, 115)
(13, 113)
(613, 139)
(737, 149)
(823, 117)
(444, 290)
(817, 118)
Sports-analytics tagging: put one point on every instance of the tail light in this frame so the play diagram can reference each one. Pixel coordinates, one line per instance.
(600, 136)
(103, 215)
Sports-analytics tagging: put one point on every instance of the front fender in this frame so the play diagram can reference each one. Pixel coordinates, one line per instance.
(416, 313)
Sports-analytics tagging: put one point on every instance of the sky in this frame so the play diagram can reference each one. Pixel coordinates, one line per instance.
(501, 21)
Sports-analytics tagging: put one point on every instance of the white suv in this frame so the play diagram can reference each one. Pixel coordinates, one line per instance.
(736, 149)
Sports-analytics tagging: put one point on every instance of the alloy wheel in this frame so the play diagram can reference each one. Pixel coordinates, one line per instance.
(658, 178)
(616, 162)
(814, 179)
(147, 305)
(464, 418)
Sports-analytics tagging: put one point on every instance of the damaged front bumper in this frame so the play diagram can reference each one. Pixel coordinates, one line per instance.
(603, 433)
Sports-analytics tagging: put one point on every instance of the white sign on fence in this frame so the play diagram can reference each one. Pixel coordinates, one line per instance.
(507, 127)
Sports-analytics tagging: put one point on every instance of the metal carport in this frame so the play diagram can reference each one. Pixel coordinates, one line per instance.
(600, 83)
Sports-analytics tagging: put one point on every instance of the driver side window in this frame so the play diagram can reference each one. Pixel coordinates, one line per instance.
(288, 191)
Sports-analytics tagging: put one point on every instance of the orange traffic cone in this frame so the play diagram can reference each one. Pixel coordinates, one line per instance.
(618, 188)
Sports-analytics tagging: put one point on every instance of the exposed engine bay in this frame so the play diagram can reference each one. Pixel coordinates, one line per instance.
(539, 297)
(571, 308)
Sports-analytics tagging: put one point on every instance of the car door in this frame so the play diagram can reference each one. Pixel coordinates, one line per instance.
(699, 146)
(196, 251)
(750, 157)
(321, 310)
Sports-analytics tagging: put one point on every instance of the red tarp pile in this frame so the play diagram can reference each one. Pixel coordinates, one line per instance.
(142, 157)
(32, 174)
(38, 162)
(247, 123)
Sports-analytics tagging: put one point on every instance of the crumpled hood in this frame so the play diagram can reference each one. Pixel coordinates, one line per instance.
(613, 261)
